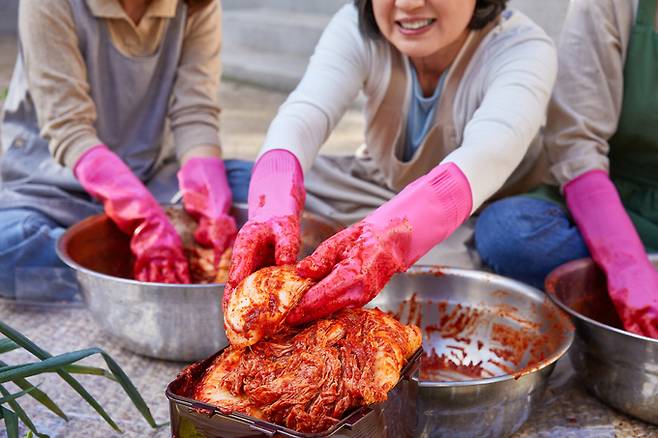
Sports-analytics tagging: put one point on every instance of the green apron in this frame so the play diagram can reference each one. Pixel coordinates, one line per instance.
(634, 147)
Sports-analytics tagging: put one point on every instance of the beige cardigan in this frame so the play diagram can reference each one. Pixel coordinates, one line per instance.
(586, 104)
(490, 111)
(57, 80)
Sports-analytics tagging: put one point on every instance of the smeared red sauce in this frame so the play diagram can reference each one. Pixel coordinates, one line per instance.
(486, 341)
(415, 311)
(515, 342)
(451, 367)
(502, 366)
(398, 315)
(414, 314)
(458, 324)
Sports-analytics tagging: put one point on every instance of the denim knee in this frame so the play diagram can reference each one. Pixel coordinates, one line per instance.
(238, 173)
(525, 238)
(19, 224)
(27, 254)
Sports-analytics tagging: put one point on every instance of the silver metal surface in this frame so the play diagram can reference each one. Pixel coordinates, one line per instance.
(165, 321)
(486, 407)
(618, 367)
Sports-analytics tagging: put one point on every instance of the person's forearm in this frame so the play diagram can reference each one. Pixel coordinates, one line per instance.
(201, 151)
(336, 73)
(496, 139)
(56, 77)
(76, 141)
(586, 102)
(615, 245)
(603, 221)
(433, 206)
(194, 110)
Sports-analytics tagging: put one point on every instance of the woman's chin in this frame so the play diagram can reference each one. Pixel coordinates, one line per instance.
(415, 50)
(414, 47)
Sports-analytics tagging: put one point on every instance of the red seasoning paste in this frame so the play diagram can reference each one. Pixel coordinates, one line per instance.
(469, 343)
(450, 367)
(308, 378)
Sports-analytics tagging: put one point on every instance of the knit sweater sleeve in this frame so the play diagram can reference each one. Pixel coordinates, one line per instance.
(335, 74)
(521, 67)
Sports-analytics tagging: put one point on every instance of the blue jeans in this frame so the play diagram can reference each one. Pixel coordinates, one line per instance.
(238, 173)
(526, 238)
(30, 269)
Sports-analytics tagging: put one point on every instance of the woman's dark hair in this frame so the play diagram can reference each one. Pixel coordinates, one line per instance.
(485, 12)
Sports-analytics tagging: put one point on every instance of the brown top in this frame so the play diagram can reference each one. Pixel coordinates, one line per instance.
(56, 71)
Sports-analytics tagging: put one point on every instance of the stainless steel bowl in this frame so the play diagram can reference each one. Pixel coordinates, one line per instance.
(165, 321)
(498, 399)
(618, 367)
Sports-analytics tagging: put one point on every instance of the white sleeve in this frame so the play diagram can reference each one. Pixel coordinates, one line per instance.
(335, 74)
(519, 79)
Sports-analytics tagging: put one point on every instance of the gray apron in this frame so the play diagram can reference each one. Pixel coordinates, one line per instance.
(131, 95)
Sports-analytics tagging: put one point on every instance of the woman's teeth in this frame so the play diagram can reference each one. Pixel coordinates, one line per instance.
(413, 25)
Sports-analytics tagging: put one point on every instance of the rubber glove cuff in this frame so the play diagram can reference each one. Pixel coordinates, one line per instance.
(434, 206)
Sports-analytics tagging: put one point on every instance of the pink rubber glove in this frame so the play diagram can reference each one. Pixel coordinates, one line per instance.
(617, 249)
(207, 198)
(356, 263)
(157, 247)
(272, 233)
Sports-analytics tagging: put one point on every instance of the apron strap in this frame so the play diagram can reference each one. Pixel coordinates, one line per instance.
(646, 13)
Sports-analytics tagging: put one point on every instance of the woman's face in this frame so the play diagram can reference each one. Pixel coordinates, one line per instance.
(421, 28)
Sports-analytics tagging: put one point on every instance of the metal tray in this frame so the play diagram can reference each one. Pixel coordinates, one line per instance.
(394, 418)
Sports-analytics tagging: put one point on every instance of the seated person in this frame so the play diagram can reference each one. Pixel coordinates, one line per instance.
(602, 140)
(94, 84)
(456, 92)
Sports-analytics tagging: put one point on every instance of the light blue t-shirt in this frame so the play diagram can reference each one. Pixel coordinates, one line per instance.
(422, 112)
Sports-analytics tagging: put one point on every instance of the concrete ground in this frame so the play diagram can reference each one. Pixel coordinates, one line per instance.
(246, 113)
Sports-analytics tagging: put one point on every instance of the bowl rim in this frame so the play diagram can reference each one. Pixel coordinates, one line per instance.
(579, 264)
(62, 254)
(503, 282)
(66, 236)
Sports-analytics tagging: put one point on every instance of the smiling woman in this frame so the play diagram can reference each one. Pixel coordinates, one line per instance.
(482, 13)
(431, 33)
(456, 93)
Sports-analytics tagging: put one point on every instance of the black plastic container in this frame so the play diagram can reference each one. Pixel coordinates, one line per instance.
(394, 418)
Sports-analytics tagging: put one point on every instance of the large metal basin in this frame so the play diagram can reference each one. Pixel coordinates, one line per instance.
(165, 321)
(618, 367)
(496, 400)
